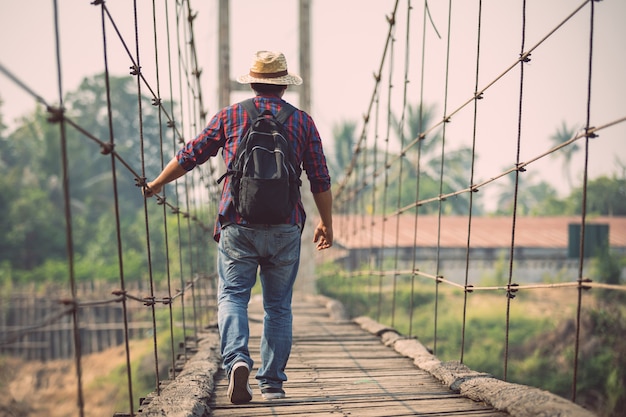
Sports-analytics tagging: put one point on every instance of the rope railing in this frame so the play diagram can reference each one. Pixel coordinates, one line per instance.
(196, 276)
(376, 172)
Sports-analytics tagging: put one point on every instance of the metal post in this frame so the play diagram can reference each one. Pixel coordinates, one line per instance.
(305, 54)
(224, 54)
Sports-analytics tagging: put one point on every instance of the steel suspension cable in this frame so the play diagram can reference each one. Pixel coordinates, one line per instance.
(136, 72)
(511, 294)
(373, 260)
(387, 141)
(69, 234)
(418, 162)
(583, 217)
(401, 171)
(184, 75)
(471, 195)
(116, 203)
(441, 170)
(166, 245)
(176, 190)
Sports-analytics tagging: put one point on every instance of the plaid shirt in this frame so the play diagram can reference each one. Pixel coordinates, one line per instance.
(224, 131)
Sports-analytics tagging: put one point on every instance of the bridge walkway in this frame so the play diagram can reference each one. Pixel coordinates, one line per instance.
(338, 368)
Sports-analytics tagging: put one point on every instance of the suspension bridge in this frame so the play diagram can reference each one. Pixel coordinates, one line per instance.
(388, 199)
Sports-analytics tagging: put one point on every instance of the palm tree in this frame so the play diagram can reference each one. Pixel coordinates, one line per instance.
(563, 134)
(344, 140)
(417, 120)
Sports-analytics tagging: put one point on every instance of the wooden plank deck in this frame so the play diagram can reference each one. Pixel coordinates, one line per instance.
(339, 369)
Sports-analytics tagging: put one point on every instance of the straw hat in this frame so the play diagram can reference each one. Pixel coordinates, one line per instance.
(269, 68)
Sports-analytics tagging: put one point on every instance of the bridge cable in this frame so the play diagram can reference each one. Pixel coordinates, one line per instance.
(584, 201)
(136, 72)
(472, 172)
(400, 131)
(387, 152)
(511, 293)
(166, 247)
(441, 182)
(116, 205)
(68, 217)
(418, 158)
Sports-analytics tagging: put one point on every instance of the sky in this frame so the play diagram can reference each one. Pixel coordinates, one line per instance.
(348, 37)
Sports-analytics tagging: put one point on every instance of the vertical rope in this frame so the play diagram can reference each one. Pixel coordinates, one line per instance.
(137, 72)
(118, 228)
(157, 102)
(418, 166)
(583, 218)
(176, 190)
(510, 290)
(68, 218)
(182, 70)
(373, 260)
(386, 164)
(441, 170)
(183, 58)
(194, 233)
(401, 163)
(471, 196)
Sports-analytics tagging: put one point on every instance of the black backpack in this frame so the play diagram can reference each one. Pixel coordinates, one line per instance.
(265, 180)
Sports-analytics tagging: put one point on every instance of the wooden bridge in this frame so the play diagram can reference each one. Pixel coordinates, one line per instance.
(342, 367)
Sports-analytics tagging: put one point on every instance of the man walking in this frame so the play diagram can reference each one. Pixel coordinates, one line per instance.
(245, 247)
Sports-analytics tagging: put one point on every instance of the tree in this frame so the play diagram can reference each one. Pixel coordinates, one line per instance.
(563, 134)
(344, 142)
(532, 198)
(2, 125)
(32, 228)
(605, 196)
(424, 160)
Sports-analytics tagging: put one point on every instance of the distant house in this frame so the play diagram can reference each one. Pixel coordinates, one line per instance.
(542, 245)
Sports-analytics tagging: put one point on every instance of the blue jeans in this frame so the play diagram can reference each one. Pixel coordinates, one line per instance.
(243, 249)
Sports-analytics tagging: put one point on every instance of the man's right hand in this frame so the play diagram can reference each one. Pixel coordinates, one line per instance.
(152, 189)
(323, 236)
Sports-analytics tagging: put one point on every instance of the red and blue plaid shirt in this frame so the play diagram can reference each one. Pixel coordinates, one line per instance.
(224, 131)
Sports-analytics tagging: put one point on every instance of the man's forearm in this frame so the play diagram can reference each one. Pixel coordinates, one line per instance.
(324, 203)
(171, 172)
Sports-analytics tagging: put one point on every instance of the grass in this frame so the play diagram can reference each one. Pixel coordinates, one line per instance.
(418, 307)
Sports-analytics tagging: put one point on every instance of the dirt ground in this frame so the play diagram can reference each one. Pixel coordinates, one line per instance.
(38, 389)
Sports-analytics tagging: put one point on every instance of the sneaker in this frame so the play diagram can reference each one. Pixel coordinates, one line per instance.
(272, 393)
(239, 390)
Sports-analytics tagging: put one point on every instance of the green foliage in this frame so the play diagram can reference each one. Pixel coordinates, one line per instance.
(33, 229)
(143, 366)
(607, 268)
(606, 368)
(417, 175)
(499, 274)
(344, 141)
(605, 197)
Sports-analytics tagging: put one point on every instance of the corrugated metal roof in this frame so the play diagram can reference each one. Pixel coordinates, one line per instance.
(486, 232)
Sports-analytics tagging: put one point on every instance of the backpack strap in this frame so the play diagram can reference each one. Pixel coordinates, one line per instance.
(282, 115)
(250, 108)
